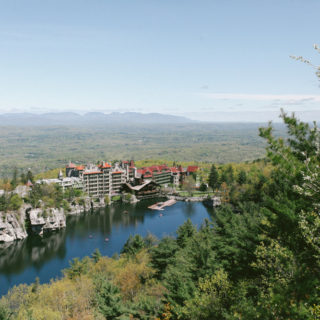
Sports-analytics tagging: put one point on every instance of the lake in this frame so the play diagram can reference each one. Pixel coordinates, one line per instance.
(106, 229)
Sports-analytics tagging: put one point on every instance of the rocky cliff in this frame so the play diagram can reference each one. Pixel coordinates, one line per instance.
(43, 220)
(12, 225)
(40, 220)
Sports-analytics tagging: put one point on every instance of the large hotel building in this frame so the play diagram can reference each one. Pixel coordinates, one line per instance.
(105, 179)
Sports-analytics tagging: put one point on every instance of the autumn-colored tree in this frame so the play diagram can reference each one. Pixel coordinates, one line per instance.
(224, 193)
(189, 184)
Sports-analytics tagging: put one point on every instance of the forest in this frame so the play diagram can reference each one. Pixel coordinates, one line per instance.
(259, 257)
(42, 148)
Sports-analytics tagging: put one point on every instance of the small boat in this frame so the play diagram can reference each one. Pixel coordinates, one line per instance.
(106, 239)
(160, 215)
(90, 236)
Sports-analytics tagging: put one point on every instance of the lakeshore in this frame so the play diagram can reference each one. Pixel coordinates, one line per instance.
(45, 257)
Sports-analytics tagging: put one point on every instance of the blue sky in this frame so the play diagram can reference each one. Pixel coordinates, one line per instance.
(207, 60)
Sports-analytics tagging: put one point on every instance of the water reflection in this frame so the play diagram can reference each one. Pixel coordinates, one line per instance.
(106, 229)
(33, 251)
(103, 220)
(190, 209)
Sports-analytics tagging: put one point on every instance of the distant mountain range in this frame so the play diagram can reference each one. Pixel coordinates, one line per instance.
(90, 118)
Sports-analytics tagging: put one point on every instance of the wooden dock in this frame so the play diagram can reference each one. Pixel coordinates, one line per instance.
(161, 205)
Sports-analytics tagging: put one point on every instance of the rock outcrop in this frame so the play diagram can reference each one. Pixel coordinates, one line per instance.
(98, 203)
(12, 225)
(132, 199)
(212, 202)
(87, 205)
(40, 220)
(43, 220)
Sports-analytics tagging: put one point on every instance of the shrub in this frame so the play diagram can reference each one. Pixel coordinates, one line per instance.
(15, 202)
(128, 196)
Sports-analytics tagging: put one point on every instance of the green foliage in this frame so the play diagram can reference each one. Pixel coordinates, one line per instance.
(189, 184)
(203, 187)
(3, 203)
(51, 195)
(23, 178)
(108, 298)
(179, 280)
(15, 202)
(106, 199)
(66, 206)
(116, 198)
(227, 175)
(162, 255)
(242, 177)
(78, 268)
(96, 256)
(214, 178)
(259, 258)
(29, 176)
(133, 245)
(212, 298)
(150, 240)
(14, 181)
(36, 285)
(128, 196)
(185, 233)
(44, 214)
(183, 142)
(4, 313)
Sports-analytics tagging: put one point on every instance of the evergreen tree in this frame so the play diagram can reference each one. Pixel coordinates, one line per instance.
(36, 285)
(30, 176)
(214, 178)
(133, 245)
(203, 187)
(185, 232)
(163, 254)
(23, 178)
(96, 256)
(242, 177)
(230, 174)
(108, 298)
(78, 267)
(14, 181)
(223, 177)
(3, 203)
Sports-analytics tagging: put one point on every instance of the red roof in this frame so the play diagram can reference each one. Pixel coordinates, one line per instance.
(93, 172)
(105, 165)
(116, 172)
(192, 168)
(29, 184)
(80, 168)
(174, 170)
(154, 168)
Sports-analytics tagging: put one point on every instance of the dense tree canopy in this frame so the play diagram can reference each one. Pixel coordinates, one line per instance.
(258, 258)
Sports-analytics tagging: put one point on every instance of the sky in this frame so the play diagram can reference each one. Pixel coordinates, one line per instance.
(208, 60)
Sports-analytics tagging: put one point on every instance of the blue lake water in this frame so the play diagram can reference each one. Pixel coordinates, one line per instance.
(23, 261)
